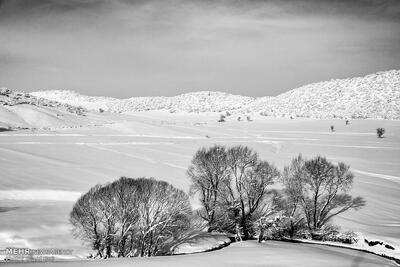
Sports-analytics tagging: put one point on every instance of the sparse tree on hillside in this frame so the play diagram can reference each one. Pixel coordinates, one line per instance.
(380, 132)
(321, 188)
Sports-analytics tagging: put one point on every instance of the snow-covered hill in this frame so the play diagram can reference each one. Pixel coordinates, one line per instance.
(373, 96)
(191, 102)
(23, 110)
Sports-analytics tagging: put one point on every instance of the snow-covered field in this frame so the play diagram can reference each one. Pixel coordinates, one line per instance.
(247, 253)
(43, 171)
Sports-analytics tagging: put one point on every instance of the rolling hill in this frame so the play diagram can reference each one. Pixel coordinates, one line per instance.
(22, 110)
(375, 96)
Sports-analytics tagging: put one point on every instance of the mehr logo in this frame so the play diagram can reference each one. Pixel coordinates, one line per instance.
(41, 251)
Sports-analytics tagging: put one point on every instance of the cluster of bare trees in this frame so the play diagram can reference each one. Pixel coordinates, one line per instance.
(131, 217)
(235, 188)
(238, 192)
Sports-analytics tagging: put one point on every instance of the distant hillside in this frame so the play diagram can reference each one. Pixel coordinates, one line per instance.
(23, 110)
(190, 102)
(373, 96)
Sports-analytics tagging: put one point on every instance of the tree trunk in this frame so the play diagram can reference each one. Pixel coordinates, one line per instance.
(291, 233)
(261, 236)
(121, 252)
(243, 222)
(108, 247)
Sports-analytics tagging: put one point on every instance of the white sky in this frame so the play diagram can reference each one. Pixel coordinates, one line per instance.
(127, 48)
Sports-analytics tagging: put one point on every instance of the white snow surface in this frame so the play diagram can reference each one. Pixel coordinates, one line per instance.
(201, 242)
(373, 96)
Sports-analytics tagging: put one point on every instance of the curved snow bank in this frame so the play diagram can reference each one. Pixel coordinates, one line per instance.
(383, 249)
(201, 243)
(247, 253)
(54, 195)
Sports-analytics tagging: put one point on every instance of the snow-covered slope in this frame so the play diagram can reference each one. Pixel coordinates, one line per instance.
(373, 96)
(23, 110)
(191, 102)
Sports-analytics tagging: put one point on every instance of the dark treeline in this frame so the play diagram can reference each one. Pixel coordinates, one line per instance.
(145, 217)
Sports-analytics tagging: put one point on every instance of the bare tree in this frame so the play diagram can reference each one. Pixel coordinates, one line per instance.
(125, 196)
(131, 217)
(86, 221)
(163, 212)
(246, 193)
(292, 178)
(208, 171)
(320, 188)
(233, 186)
(106, 203)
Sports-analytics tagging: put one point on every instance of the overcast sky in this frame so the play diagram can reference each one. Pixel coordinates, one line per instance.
(127, 48)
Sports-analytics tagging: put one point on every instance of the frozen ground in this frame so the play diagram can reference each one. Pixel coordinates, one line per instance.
(247, 253)
(53, 167)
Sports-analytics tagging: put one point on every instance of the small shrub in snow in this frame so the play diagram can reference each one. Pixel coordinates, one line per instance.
(380, 132)
(389, 247)
(304, 234)
(373, 242)
(348, 237)
(334, 235)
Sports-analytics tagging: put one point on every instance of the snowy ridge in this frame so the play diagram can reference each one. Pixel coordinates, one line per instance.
(11, 98)
(373, 96)
(191, 102)
(19, 110)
